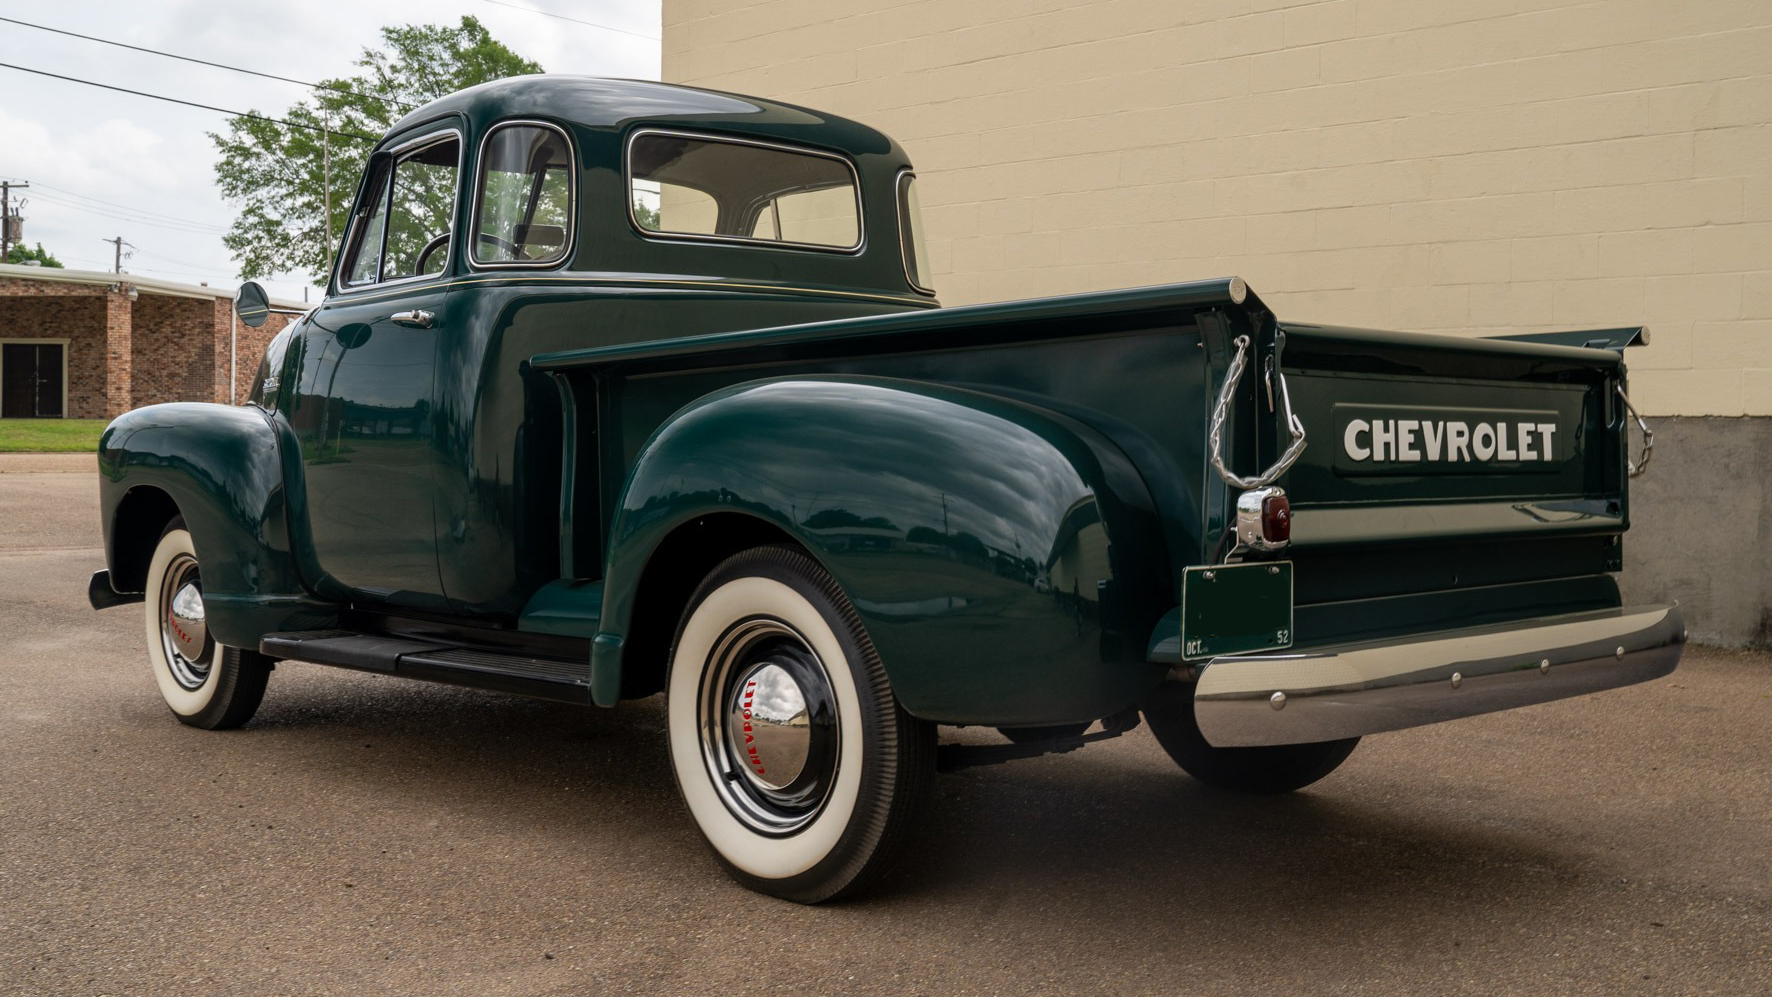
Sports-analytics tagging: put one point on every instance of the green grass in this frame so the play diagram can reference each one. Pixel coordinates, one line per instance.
(50, 435)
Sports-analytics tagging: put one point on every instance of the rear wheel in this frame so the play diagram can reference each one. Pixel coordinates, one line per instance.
(1278, 768)
(205, 684)
(798, 764)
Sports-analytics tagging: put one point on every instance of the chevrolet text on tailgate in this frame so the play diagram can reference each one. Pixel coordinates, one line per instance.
(623, 389)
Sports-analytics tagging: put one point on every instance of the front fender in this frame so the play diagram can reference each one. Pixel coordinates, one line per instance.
(219, 465)
(1005, 559)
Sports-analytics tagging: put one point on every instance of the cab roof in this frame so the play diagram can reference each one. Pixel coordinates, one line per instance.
(614, 104)
(603, 115)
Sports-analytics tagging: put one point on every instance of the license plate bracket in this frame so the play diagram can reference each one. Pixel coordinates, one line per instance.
(1235, 608)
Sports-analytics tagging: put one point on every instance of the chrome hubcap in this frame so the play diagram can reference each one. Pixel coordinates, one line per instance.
(768, 726)
(184, 634)
(769, 723)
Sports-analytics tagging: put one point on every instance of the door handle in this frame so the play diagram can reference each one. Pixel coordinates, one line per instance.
(418, 318)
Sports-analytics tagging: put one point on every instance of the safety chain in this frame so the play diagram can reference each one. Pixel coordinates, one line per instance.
(1222, 408)
(1637, 468)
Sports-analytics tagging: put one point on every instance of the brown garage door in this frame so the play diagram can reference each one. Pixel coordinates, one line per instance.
(31, 380)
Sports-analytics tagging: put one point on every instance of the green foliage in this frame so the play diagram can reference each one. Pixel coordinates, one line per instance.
(19, 254)
(647, 217)
(276, 173)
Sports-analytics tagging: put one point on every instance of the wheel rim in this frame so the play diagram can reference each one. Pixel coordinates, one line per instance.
(184, 632)
(769, 729)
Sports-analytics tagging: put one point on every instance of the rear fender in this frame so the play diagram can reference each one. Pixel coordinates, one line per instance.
(218, 467)
(1005, 559)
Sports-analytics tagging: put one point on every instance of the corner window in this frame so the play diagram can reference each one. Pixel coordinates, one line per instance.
(910, 234)
(401, 229)
(371, 223)
(729, 189)
(523, 214)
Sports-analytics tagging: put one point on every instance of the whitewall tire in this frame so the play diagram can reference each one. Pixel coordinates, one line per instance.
(205, 684)
(794, 758)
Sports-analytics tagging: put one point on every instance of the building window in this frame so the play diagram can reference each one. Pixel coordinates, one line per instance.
(523, 214)
(402, 227)
(694, 186)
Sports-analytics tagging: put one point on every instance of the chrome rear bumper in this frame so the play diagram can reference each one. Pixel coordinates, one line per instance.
(1357, 689)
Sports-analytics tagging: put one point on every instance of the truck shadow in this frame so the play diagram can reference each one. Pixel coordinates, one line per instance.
(1098, 848)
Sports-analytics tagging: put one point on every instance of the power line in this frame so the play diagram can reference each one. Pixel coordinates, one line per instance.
(188, 103)
(105, 268)
(129, 208)
(191, 228)
(169, 259)
(574, 20)
(198, 228)
(206, 62)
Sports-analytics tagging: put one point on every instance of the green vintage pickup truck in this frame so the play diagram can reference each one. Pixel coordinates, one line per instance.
(623, 389)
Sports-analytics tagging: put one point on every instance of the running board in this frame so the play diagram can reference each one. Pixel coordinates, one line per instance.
(435, 661)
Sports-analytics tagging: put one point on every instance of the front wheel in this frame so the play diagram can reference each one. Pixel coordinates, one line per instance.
(796, 761)
(1279, 768)
(205, 684)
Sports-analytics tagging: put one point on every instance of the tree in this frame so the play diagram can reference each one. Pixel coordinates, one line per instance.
(276, 173)
(19, 254)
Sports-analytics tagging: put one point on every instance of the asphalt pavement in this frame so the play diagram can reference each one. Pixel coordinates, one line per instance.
(371, 835)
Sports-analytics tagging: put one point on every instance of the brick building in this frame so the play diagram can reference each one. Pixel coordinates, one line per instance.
(82, 344)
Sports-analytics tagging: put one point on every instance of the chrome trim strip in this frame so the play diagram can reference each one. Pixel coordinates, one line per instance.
(905, 243)
(627, 172)
(568, 247)
(642, 282)
(1378, 686)
(342, 289)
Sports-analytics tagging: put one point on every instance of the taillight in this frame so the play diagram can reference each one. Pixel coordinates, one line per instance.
(1276, 519)
(1264, 519)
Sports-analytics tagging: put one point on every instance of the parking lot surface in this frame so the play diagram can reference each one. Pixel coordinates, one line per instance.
(369, 835)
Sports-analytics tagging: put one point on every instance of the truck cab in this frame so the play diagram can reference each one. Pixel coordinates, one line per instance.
(532, 216)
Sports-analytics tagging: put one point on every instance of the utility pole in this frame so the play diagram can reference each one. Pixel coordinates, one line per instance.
(118, 243)
(326, 157)
(6, 218)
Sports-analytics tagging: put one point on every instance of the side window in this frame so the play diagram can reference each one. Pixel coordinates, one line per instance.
(404, 224)
(524, 210)
(910, 234)
(707, 187)
(372, 222)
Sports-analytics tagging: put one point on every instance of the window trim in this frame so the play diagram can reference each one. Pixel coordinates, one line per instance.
(569, 247)
(861, 234)
(395, 153)
(905, 243)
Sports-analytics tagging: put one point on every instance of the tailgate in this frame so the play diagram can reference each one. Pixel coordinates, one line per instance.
(1418, 438)
(1445, 482)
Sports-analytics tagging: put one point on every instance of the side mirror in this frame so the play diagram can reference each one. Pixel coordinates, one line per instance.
(252, 304)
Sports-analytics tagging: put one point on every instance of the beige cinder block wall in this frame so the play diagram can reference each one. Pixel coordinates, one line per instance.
(1444, 165)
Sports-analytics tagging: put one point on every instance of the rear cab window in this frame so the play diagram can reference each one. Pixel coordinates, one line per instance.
(717, 188)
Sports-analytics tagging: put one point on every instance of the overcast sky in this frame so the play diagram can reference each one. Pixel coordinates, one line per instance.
(104, 164)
